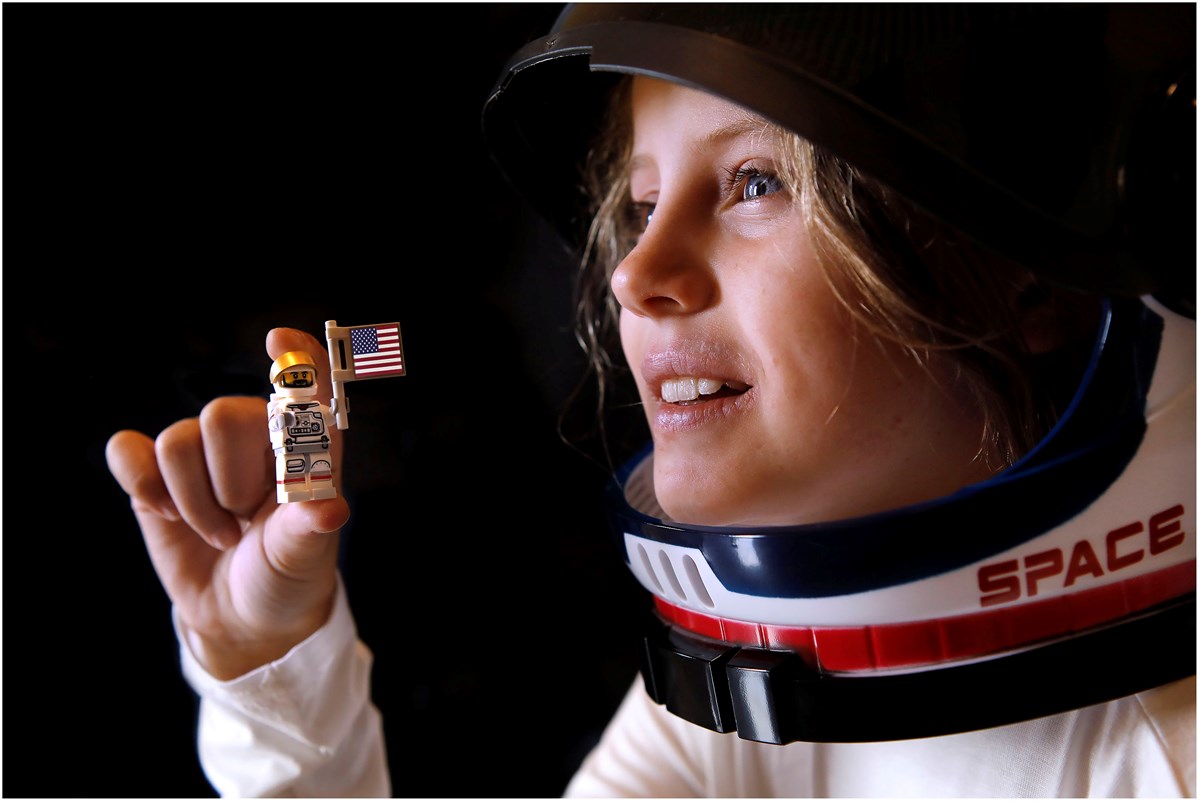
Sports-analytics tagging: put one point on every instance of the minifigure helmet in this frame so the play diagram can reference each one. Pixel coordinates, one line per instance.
(1063, 138)
(291, 359)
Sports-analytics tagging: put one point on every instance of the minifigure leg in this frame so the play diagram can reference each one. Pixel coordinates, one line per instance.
(320, 480)
(291, 479)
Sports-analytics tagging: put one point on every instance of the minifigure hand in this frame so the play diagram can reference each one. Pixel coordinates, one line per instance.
(250, 578)
(281, 420)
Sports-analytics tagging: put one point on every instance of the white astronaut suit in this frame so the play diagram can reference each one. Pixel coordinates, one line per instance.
(299, 428)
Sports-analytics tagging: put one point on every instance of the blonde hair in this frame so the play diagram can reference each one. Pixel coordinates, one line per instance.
(905, 279)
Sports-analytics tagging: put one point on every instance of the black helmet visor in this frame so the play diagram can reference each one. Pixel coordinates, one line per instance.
(1063, 136)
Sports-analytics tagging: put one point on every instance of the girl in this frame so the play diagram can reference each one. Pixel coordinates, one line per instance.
(902, 491)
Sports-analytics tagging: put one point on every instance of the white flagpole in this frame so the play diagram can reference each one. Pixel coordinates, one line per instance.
(338, 340)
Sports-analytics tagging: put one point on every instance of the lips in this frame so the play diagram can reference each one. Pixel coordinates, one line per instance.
(695, 383)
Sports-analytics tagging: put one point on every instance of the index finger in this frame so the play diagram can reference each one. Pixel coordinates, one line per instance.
(131, 461)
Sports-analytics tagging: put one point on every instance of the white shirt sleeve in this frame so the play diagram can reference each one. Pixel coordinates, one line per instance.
(303, 725)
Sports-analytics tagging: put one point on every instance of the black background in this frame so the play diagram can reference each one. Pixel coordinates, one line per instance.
(180, 178)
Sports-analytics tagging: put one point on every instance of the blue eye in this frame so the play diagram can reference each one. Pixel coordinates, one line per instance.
(748, 183)
(758, 184)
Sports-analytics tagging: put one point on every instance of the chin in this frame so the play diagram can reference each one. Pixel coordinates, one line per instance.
(692, 500)
(679, 497)
(697, 503)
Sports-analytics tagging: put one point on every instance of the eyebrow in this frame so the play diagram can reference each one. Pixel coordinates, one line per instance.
(739, 127)
(732, 130)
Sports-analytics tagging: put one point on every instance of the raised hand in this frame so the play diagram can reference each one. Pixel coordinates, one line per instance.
(250, 578)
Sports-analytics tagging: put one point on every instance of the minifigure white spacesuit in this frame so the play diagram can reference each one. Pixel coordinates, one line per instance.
(299, 433)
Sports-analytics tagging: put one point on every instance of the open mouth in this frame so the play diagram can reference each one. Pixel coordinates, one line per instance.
(692, 390)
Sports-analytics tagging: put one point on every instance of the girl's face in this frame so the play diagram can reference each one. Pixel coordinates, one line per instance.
(766, 405)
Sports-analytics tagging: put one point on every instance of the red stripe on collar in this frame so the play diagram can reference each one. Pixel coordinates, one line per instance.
(962, 637)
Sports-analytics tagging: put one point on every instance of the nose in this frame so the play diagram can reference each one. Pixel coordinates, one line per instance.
(666, 273)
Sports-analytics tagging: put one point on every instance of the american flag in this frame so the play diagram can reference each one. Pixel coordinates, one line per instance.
(376, 351)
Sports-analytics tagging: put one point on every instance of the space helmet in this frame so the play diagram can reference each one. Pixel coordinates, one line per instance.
(288, 360)
(1061, 136)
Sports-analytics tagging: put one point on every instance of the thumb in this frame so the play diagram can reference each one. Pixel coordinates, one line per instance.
(283, 587)
(300, 541)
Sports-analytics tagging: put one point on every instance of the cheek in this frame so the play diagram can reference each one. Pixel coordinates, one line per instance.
(809, 346)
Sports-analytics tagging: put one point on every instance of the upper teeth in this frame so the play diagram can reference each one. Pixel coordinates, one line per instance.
(688, 388)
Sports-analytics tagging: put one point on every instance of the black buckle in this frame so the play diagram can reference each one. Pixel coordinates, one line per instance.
(773, 697)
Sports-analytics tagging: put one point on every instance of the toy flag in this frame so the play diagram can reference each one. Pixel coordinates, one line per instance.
(361, 352)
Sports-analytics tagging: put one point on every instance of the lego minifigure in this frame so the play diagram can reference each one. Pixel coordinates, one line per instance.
(299, 432)
(299, 422)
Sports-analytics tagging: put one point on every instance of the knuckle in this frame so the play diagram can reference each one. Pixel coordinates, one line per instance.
(232, 412)
(177, 440)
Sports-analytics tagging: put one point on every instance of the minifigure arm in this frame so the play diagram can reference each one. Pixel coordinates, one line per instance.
(339, 407)
(279, 417)
(303, 725)
(281, 420)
